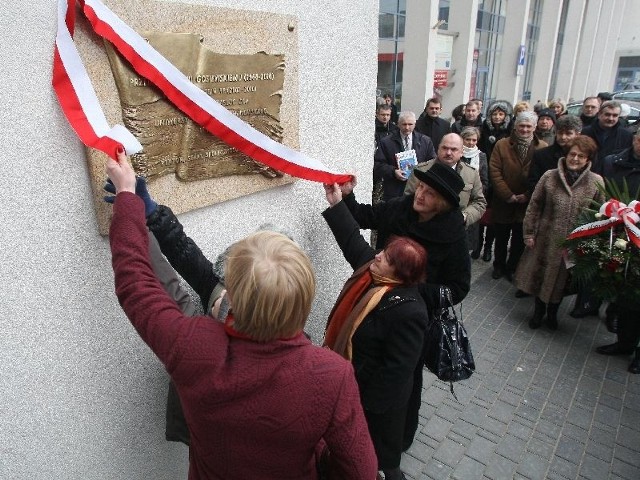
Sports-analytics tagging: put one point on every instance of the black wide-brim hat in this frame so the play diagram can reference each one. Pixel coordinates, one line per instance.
(445, 180)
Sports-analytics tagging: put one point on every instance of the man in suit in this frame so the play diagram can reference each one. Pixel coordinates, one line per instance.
(385, 165)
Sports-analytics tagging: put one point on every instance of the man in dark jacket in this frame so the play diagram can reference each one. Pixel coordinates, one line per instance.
(385, 162)
(568, 127)
(590, 107)
(608, 134)
(471, 118)
(384, 125)
(620, 168)
(430, 124)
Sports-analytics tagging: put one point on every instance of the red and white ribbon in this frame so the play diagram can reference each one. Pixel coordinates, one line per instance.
(618, 213)
(81, 107)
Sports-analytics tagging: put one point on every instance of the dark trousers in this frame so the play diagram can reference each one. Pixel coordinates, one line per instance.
(503, 231)
(628, 327)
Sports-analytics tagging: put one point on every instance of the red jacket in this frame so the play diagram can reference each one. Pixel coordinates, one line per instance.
(255, 410)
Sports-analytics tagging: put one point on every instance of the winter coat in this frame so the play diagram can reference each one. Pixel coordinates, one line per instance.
(434, 128)
(543, 159)
(387, 345)
(508, 177)
(463, 122)
(444, 237)
(236, 411)
(472, 201)
(385, 163)
(609, 141)
(489, 135)
(622, 167)
(552, 213)
(383, 131)
(548, 137)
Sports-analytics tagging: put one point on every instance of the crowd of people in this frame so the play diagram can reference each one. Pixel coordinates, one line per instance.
(504, 187)
(544, 167)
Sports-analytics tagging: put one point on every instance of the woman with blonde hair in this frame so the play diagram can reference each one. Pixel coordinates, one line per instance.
(253, 387)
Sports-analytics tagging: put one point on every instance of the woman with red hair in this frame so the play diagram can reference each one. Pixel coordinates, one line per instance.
(378, 323)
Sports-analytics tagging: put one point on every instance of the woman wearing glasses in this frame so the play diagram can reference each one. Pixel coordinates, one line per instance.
(553, 210)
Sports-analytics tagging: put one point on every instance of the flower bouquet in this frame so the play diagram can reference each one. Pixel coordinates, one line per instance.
(605, 248)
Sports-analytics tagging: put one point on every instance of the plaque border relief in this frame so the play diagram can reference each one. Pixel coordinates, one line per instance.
(224, 30)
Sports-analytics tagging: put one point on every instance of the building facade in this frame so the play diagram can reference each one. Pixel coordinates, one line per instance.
(515, 50)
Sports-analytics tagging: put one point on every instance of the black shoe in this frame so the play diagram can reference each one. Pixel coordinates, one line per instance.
(475, 254)
(581, 312)
(615, 349)
(635, 365)
(508, 275)
(522, 294)
(486, 256)
(497, 273)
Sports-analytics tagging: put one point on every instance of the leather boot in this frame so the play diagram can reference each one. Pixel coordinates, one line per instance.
(635, 364)
(538, 314)
(552, 315)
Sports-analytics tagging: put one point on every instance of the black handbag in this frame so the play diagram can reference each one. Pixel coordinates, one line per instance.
(447, 351)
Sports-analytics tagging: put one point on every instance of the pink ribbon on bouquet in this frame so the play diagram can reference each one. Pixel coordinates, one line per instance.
(618, 213)
(82, 108)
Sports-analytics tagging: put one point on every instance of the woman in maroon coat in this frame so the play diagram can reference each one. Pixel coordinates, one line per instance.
(257, 395)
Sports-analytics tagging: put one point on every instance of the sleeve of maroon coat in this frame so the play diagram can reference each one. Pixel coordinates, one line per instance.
(348, 439)
(154, 315)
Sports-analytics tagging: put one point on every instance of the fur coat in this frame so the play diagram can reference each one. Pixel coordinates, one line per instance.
(552, 213)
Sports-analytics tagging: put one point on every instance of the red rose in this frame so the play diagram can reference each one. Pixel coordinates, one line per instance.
(612, 265)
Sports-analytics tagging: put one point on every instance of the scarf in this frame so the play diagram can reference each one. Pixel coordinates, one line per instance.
(571, 176)
(360, 295)
(522, 146)
(472, 156)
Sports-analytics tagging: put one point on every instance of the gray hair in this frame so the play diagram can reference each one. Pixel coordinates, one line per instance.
(610, 104)
(406, 114)
(569, 122)
(467, 132)
(527, 116)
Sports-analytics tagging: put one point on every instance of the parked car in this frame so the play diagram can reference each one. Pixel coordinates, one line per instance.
(630, 97)
(634, 116)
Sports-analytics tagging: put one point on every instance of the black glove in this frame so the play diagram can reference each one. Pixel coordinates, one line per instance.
(141, 190)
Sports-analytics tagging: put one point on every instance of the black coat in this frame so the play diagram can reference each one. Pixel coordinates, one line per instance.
(610, 141)
(383, 130)
(434, 128)
(385, 163)
(489, 135)
(463, 122)
(543, 159)
(444, 237)
(388, 343)
(623, 166)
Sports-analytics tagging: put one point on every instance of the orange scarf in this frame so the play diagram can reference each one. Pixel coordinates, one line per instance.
(359, 296)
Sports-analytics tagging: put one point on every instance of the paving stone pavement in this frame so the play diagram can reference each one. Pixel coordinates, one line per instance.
(541, 404)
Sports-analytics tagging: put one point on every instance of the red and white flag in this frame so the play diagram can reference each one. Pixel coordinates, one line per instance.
(81, 107)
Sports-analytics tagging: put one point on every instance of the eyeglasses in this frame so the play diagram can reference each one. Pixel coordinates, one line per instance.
(579, 156)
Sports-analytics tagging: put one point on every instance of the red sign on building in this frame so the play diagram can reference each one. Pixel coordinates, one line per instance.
(440, 78)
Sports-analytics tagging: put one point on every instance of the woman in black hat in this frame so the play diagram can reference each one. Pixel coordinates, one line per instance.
(432, 217)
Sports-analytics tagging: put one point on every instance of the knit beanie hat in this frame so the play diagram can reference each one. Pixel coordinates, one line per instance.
(547, 112)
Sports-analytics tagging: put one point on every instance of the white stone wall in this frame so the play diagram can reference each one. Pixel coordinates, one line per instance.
(81, 396)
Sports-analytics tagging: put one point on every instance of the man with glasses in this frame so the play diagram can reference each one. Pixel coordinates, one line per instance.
(590, 108)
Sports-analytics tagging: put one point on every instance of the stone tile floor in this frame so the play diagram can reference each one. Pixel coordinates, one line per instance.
(541, 405)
